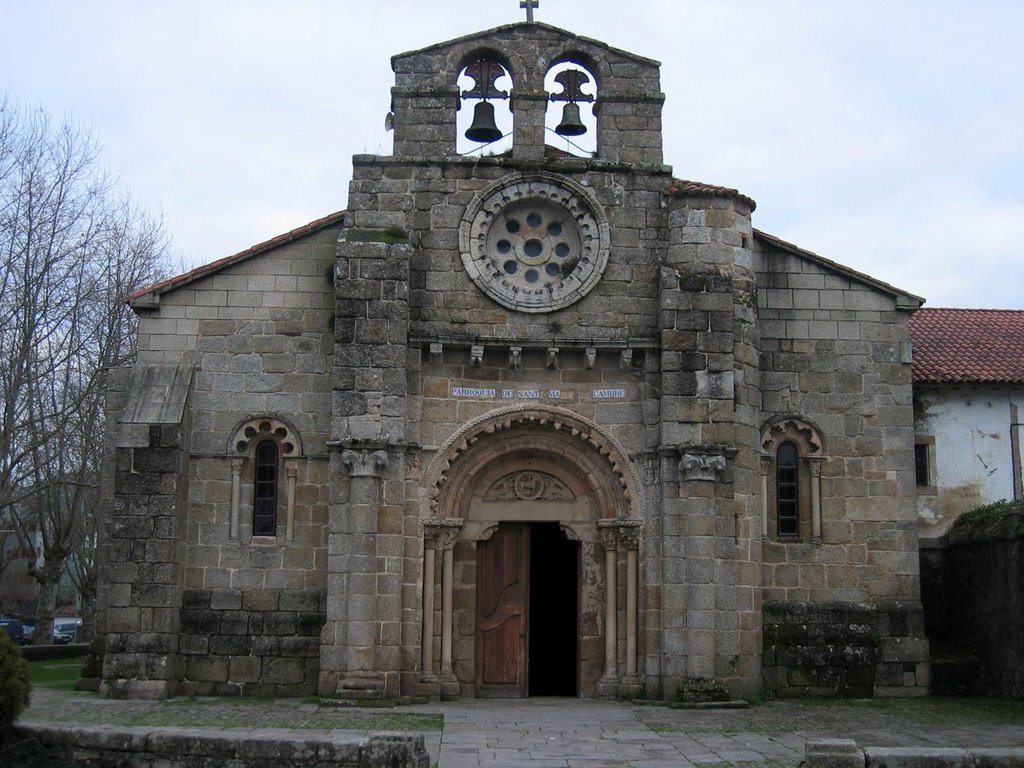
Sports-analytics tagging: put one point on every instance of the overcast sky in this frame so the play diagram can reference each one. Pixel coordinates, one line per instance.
(887, 135)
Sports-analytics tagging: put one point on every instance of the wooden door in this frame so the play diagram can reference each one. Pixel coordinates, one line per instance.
(503, 569)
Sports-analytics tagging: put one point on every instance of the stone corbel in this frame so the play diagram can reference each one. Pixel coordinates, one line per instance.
(589, 357)
(436, 351)
(364, 463)
(476, 355)
(515, 357)
(626, 359)
(552, 358)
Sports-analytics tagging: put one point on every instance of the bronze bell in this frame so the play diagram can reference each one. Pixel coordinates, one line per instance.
(571, 124)
(483, 129)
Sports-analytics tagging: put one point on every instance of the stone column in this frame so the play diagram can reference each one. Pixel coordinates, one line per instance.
(629, 539)
(291, 471)
(236, 497)
(439, 534)
(766, 469)
(427, 640)
(814, 467)
(365, 469)
(449, 533)
(608, 684)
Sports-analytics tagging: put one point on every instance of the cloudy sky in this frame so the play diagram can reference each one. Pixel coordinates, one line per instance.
(884, 134)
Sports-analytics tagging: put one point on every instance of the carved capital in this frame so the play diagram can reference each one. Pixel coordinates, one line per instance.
(705, 462)
(629, 532)
(441, 532)
(364, 463)
(702, 466)
(814, 465)
(609, 530)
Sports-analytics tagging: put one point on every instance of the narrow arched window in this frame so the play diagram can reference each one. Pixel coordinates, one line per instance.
(787, 490)
(264, 513)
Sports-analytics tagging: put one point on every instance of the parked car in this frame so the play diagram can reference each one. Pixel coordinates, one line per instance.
(14, 629)
(65, 629)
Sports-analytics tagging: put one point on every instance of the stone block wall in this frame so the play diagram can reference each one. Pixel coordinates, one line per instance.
(426, 205)
(141, 562)
(259, 642)
(845, 649)
(709, 406)
(834, 351)
(258, 334)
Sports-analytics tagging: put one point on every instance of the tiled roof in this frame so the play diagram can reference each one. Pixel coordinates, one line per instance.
(684, 188)
(149, 296)
(968, 345)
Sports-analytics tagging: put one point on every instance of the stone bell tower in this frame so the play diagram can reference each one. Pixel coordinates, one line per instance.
(536, 343)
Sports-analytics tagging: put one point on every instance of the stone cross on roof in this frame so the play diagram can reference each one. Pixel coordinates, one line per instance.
(529, 5)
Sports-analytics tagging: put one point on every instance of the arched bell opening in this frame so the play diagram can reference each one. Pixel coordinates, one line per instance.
(484, 118)
(570, 121)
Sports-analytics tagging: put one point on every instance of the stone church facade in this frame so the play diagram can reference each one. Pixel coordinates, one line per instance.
(515, 425)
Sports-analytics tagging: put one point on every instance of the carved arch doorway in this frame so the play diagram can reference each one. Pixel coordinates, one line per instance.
(542, 468)
(527, 620)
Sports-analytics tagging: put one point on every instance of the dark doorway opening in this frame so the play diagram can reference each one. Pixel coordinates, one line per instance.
(554, 611)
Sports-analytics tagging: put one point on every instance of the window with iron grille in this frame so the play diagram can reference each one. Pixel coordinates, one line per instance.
(787, 490)
(264, 515)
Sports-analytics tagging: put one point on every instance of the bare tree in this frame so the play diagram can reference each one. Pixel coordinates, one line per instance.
(71, 253)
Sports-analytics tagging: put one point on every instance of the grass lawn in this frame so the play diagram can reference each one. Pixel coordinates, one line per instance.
(60, 674)
(937, 711)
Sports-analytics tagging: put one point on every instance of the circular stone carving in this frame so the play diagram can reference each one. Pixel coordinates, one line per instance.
(529, 486)
(534, 243)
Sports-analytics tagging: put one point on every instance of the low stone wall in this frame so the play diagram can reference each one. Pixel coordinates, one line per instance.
(106, 747)
(46, 652)
(845, 649)
(974, 596)
(844, 753)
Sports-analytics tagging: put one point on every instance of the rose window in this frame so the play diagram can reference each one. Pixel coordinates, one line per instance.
(535, 245)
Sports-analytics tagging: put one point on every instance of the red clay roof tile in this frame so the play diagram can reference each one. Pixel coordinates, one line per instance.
(968, 345)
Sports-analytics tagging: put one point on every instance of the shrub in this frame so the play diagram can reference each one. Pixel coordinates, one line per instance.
(14, 685)
(988, 522)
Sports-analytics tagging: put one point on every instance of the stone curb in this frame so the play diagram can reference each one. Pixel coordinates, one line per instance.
(844, 753)
(136, 747)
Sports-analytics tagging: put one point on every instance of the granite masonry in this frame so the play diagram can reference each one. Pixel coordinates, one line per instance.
(515, 424)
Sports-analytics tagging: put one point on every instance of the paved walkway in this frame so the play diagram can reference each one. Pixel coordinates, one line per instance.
(570, 733)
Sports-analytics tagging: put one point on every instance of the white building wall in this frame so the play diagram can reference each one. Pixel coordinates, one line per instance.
(975, 456)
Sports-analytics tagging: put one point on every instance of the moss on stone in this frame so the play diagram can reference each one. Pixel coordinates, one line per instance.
(389, 236)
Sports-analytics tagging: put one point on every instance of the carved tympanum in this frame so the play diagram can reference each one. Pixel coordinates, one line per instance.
(528, 486)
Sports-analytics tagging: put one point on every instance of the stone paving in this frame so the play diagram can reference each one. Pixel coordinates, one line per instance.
(572, 733)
